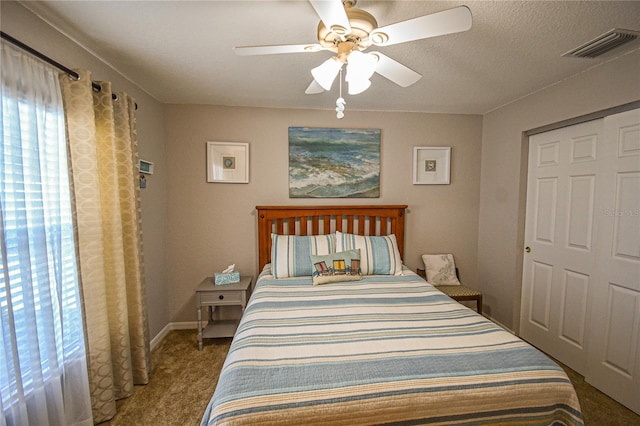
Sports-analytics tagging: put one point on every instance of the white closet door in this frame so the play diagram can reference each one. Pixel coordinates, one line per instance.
(614, 346)
(560, 232)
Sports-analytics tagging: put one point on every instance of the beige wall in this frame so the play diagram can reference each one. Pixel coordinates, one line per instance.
(212, 225)
(21, 24)
(192, 228)
(503, 182)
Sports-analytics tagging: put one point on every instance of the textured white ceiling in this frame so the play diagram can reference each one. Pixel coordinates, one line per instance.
(181, 51)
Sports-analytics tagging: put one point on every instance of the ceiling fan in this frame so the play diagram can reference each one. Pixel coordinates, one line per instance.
(348, 31)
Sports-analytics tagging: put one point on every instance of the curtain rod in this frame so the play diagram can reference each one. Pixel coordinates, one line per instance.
(50, 61)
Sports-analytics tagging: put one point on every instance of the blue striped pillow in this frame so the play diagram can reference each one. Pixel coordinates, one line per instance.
(379, 254)
(291, 254)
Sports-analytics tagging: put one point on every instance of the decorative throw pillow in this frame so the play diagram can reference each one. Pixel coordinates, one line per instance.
(290, 253)
(440, 269)
(380, 254)
(336, 267)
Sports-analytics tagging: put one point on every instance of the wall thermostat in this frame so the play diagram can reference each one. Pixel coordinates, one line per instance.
(146, 167)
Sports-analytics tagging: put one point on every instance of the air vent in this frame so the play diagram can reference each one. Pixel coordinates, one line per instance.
(604, 43)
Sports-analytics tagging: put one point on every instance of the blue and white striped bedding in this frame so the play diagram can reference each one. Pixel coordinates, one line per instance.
(387, 349)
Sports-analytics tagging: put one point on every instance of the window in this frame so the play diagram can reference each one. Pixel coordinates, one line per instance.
(40, 313)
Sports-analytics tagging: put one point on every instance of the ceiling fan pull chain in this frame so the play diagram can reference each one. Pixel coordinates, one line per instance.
(340, 103)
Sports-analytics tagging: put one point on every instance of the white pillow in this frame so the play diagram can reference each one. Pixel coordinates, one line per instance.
(379, 254)
(440, 269)
(290, 253)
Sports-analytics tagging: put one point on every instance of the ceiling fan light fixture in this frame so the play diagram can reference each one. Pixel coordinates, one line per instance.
(360, 68)
(326, 72)
(358, 86)
(361, 65)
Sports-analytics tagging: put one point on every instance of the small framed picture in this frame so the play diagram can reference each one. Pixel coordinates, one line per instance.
(431, 165)
(228, 162)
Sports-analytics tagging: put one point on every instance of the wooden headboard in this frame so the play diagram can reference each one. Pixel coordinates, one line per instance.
(319, 220)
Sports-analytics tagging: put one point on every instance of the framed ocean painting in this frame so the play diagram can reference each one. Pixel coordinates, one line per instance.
(334, 163)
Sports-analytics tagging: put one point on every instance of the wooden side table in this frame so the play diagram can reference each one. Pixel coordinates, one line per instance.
(458, 292)
(210, 295)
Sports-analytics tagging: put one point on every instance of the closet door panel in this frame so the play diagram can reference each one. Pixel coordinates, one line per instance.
(614, 340)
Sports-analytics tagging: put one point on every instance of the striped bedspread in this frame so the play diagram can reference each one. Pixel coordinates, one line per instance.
(384, 350)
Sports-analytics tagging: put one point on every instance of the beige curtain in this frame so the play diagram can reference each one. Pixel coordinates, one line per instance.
(103, 157)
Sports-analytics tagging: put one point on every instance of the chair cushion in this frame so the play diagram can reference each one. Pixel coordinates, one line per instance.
(458, 291)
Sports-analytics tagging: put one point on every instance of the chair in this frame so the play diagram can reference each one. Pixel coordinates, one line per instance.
(458, 292)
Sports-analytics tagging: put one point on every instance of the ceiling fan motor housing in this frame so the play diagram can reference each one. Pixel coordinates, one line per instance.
(362, 23)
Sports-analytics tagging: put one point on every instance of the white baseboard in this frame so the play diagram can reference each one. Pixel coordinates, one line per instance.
(187, 325)
(160, 336)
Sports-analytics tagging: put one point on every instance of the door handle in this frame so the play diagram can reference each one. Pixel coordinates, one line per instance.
(527, 249)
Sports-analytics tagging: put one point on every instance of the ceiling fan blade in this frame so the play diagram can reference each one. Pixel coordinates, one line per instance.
(332, 14)
(436, 24)
(277, 49)
(314, 88)
(395, 71)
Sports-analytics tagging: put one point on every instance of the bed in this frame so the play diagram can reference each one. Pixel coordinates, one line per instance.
(383, 349)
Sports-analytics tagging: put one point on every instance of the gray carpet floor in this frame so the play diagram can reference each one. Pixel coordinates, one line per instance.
(183, 380)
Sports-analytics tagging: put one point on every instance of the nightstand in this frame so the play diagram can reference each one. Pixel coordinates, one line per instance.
(210, 295)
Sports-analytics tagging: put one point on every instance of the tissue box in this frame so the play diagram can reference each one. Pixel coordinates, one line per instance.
(230, 278)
